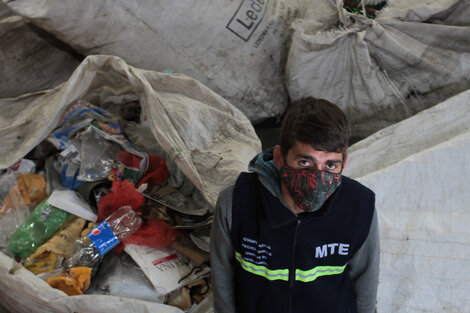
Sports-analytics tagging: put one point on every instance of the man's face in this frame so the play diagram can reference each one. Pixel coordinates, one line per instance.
(304, 156)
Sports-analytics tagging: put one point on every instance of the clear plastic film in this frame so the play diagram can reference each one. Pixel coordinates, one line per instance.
(97, 156)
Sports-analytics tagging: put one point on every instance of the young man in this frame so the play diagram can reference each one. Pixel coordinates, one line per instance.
(294, 235)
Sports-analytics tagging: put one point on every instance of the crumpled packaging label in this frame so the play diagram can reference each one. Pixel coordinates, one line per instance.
(42, 264)
(75, 282)
(62, 241)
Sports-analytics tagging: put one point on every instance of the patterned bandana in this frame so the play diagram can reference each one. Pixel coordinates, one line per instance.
(309, 188)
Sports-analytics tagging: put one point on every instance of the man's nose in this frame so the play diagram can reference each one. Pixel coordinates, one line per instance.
(315, 167)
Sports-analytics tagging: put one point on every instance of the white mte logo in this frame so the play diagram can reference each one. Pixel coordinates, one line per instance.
(332, 248)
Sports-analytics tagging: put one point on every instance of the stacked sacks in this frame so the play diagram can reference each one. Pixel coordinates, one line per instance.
(236, 48)
(381, 71)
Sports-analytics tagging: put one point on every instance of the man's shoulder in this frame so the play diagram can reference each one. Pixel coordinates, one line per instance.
(226, 192)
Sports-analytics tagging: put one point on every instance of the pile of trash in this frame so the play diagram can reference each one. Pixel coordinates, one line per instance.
(89, 212)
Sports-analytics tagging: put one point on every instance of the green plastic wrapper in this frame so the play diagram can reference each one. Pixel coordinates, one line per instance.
(38, 228)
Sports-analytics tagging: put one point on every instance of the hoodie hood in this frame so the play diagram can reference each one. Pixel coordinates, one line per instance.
(268, 172)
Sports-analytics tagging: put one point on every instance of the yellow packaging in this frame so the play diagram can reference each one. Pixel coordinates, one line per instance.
(73, 283)
(62, 241)
(42, 264)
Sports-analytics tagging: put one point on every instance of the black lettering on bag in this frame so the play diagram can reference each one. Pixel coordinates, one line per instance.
(249, 15)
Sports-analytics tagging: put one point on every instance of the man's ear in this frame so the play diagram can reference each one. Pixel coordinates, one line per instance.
(278, 156)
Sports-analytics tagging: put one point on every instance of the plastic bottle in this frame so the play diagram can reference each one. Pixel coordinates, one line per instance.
(89, 250)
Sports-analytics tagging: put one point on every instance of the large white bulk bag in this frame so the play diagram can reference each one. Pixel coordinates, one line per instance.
(29, 61)
(414, 55)
(236, 48)
(210, 141)
(419, 170)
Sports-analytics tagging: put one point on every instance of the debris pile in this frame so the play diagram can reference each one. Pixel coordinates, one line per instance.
(90, 213)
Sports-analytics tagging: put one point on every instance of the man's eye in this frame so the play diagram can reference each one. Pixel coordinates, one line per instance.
(304, 163)
(331, 166)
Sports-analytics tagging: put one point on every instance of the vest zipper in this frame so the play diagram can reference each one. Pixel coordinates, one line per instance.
(292, 268)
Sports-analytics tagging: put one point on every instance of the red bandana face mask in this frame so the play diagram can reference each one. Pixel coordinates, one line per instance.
(309, 188)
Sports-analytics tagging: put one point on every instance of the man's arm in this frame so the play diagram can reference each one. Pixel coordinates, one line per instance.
(222, 255)
(364, 270)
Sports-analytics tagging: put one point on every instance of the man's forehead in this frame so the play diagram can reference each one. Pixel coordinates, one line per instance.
(302, 150)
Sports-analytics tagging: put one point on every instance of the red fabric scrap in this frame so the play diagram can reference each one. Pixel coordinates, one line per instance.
(157, 171)
(129, 159)
(122, 193)
(154, 233)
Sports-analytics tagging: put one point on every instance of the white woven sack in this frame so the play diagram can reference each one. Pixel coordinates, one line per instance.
(413, 56)
(419, 169)
(236, 48)
(28, 62)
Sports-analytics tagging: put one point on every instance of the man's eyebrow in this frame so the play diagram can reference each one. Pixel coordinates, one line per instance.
(305, 156)
(334, 161)
(310, 158)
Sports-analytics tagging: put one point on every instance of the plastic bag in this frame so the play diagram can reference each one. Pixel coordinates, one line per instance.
(39, 227)
(77, 117)
(97, 157)
(120, 276)
(19, 193)
(68, 165)
(29, 189)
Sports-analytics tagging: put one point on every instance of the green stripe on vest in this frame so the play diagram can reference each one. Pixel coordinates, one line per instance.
(263, 271)
(283, 274)
(314, 273)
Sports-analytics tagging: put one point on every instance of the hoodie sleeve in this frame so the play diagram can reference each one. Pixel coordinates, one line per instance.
(222, 255)
(364, 270)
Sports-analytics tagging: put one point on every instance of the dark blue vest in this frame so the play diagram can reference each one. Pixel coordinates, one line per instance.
(288, 263)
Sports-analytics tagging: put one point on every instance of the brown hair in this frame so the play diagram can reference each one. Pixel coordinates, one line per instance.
(316, 122)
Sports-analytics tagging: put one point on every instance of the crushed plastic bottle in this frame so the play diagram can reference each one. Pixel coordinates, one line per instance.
(89, 250)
